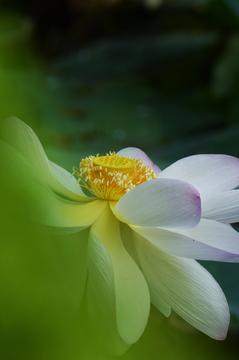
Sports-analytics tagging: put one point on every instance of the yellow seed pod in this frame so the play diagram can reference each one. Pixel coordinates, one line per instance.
(114, 162)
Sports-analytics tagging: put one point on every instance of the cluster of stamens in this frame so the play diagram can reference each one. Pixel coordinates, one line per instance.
(112, 176)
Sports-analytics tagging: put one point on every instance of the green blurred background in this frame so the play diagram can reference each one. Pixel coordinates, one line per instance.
(93, 76)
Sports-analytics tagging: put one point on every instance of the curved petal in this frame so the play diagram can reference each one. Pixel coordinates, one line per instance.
(58, 215)
(224, 244)
(209, 174)
(61, 213)
(135, 153)
(69, 182)
(223, 207)
(15, 168)
(105, 331)
(187, 287)
(129, 237)
(23, 139)
(118, 285)
(165, 203)
(217, 235)
(47, 208)
(73, 263)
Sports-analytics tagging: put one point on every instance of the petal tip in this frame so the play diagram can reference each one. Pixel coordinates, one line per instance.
(222, 336)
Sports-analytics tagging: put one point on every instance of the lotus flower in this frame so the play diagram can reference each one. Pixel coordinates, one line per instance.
(145, 229)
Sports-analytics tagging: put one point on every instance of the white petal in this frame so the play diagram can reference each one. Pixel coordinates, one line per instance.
(165, 203)
(129, 236)
(217, 235)
(24, 140)
(209, 174)
(134, 153)
(222, 207)
(47, 208)
(187, 287)
(118, 285)
(224, 244)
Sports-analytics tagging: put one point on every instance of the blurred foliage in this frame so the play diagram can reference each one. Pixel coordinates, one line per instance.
(100, 75)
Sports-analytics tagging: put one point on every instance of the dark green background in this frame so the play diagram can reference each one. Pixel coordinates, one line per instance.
(92, 77)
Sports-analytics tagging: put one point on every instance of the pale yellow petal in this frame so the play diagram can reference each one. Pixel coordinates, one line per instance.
(118, 285)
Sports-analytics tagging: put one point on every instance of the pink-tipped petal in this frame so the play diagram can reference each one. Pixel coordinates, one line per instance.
(209, 174)
(216, 235)
(165, 203)
(208, 241)
(135, 153)
(187, 287)
(223, 207)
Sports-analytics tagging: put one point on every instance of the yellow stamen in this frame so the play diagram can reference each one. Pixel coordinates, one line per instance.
(110, 177)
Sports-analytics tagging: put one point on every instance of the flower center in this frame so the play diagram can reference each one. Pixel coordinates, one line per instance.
(112, 176)
(115, 162)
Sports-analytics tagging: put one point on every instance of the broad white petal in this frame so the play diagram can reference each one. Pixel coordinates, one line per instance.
(217, 235)
(129, 237)
(165, 203)
(118, 285)
(209, 174)
(223, 207)
(135, 153)
(187, 244)
(24, 140)
(187, 287)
